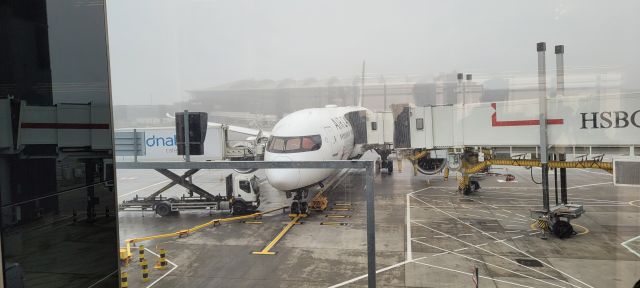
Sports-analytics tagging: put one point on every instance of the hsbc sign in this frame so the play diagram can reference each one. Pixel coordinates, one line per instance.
(610, 119)
(576, 121)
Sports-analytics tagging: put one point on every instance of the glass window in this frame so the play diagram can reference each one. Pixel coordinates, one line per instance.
(245, 186)
(374, 125)
(276, 144)
(419, 123)
(255, 184)
(59, 204)
(294, 144)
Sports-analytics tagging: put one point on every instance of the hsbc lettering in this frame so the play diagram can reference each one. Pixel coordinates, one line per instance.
(610, 119)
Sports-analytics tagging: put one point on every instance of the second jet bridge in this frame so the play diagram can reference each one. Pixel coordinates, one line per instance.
(582, 125)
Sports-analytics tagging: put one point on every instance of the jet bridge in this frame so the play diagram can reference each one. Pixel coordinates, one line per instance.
(596, 125)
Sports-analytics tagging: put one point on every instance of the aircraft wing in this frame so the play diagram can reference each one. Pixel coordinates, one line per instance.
(237, 129)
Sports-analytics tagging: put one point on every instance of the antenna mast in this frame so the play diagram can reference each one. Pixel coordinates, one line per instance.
(359, 104)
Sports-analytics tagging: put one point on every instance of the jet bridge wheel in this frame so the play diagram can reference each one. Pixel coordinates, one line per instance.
(562, 229)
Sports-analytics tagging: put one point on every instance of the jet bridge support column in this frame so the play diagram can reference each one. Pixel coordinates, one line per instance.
(542, 89)
(559, 51)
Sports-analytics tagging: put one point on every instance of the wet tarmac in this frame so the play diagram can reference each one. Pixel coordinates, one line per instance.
(427, 235)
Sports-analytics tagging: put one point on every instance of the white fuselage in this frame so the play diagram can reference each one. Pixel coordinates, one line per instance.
(295, 138)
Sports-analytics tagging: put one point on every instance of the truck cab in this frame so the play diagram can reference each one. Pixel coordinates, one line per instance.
(243, 190)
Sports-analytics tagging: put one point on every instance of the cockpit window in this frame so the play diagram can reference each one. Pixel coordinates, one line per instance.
(294, 144)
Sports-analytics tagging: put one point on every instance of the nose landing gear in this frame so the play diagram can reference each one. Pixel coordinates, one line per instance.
(298, 206)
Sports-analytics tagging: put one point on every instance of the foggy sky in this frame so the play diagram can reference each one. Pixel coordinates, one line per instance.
(161, 48)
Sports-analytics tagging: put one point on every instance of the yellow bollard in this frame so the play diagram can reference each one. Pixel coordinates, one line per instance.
(399, 165)
(446, 173)
(141, 253)
(123, 280)
(145, 271)
(162, 264)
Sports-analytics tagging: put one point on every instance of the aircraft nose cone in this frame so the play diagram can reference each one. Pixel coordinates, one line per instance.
(283, 179)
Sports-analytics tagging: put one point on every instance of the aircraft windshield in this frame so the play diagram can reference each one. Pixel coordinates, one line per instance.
(294, 144)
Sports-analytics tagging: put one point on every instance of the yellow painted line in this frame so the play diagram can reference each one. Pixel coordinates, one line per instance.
(252, 222)
(340, 209)
(334, 223)
(342, 204)
(585, 230)
(337, 216)
(267, 249)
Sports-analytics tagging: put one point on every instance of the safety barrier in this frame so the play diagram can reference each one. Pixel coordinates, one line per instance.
(123, 280)
(162, 263)
(141, 254)
(194, 229)
(145, 271)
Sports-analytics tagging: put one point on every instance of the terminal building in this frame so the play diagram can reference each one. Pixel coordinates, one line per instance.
(278, 98)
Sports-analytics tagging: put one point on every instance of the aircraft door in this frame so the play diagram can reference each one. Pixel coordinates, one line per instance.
(331, 140)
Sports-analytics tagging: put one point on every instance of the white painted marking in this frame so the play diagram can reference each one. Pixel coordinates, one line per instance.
(466, 273)
(379, 271)
(408, 228)
(593, 172)
(516, 237)
(490, 264)
(143, 188)
(588, 185)
(465, 235)
(510, 246)
(163, 275)
(625, 245)
(503, 257)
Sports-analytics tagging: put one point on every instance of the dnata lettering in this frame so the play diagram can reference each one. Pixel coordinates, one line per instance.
(610, 119)
(156, 141)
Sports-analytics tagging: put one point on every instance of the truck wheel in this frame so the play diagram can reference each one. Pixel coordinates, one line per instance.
(163, 209)
(238, 208)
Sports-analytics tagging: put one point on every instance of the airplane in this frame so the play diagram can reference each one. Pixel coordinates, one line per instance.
(318, 134)
(314, 134)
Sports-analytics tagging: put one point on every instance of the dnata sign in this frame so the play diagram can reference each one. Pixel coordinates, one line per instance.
(610, 119)
(157, 141)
